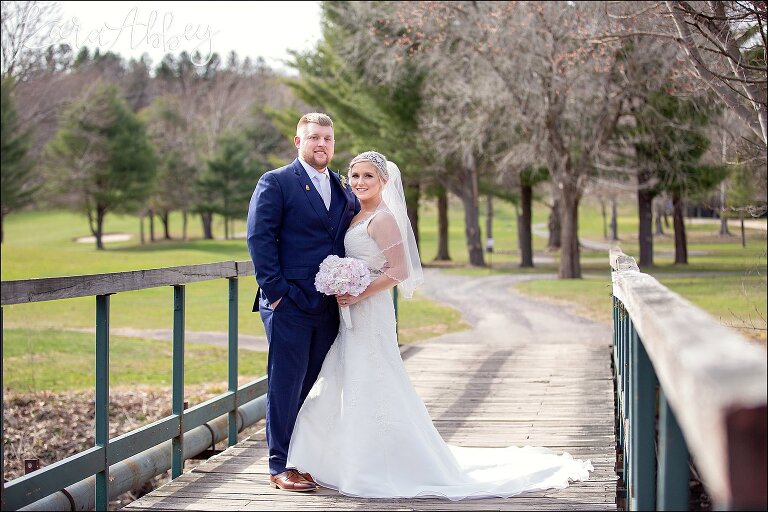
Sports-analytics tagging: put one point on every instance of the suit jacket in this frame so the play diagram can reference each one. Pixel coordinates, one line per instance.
(290, 233)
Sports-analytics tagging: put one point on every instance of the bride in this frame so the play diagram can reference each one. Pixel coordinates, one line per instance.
(362, 429)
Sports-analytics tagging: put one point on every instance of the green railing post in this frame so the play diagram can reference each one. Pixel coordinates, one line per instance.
(626, 391)
(75, 471)
(2, 417)
(618, 363)
(232, 364)
(102, 398)
(674, 473)
(643, 428)
(177, 401)
(619, 373)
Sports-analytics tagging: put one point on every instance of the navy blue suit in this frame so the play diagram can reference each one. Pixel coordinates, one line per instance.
(290, 233)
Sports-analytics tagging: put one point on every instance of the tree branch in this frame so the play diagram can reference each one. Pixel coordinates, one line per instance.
(716, 83)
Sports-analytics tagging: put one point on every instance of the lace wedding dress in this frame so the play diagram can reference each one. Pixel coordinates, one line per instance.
(365, 432)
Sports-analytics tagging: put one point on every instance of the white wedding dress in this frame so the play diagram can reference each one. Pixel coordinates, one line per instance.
(365, 432)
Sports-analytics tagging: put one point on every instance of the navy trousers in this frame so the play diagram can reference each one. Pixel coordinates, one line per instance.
(298, 342)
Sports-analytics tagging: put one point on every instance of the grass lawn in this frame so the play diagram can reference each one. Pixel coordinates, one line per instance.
(52, 360)
(42, 244)
(722, 277)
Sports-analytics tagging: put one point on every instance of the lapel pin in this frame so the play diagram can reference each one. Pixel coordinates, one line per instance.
(306, 187)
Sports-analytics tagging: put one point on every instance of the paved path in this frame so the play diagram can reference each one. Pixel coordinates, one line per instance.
(501, 316)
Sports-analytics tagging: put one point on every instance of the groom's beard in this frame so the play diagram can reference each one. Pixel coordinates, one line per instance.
(319, 160)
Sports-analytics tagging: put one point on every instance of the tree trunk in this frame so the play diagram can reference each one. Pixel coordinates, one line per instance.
(470, 198)
(570, 265)
(723, 219)
(659, 229)
(2, 223)
(741, 221)
(151, 225)
(96, 225)
(681, 245)
(207, 220)
(412, 193)
(141, 227)
(614, 222)
(226, 228)
(724, 224)
(555, 233)
(489, 223)
(472, 232)
(442, 226)
(100, 213)
(164, 216)
(184, 225)
(524, 236)
(645, 219)
(605, 221)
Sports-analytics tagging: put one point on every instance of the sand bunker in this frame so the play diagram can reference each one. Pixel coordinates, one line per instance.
(112, 237)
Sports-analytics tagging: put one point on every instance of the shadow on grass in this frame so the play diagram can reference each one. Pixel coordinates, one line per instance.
(235, 249)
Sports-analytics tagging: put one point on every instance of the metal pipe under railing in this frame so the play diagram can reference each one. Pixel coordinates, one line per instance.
(133, 472)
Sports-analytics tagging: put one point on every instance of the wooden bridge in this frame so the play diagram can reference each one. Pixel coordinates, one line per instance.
(477, 395)
(594, 398)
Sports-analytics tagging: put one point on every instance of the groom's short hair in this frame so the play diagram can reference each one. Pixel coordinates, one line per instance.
(314, 117)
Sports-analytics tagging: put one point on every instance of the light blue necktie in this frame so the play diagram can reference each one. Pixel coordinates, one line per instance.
(324, 188)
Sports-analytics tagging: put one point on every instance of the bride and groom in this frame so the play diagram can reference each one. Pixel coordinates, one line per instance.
(341, 409)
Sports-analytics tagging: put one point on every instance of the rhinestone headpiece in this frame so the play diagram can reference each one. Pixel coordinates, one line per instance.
(376, 159)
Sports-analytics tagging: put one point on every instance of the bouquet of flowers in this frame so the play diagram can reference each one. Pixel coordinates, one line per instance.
(342, 275)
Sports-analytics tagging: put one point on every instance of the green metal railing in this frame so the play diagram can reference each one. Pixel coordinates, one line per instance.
(636, 383)
(683, 381)
(34, 486)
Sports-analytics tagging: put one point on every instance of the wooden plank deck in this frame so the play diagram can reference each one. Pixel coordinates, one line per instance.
(558, 395)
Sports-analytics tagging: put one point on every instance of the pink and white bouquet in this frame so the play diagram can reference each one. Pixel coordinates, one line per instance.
(342, 275)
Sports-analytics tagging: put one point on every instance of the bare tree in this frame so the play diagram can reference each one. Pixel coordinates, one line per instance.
(578, 105)
(516, 72)
(726, 44)
(723, 43)
(212, 99)
(24, 38)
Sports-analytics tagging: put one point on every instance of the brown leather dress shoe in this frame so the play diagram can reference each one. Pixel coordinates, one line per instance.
(309, 478)
(291, 480)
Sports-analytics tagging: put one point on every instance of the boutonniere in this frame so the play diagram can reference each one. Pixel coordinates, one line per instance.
(343, 182)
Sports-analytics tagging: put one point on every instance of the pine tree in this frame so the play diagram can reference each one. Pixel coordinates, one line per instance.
(100, 159)
(671, 146)
(367, 115)
(226, 186)
(17, 170)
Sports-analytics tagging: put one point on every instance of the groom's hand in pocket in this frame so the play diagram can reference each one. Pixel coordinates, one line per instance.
(274, 304)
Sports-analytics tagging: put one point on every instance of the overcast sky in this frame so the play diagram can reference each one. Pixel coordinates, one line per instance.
(265, 29)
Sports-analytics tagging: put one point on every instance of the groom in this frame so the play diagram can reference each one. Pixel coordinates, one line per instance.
(298, 215)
